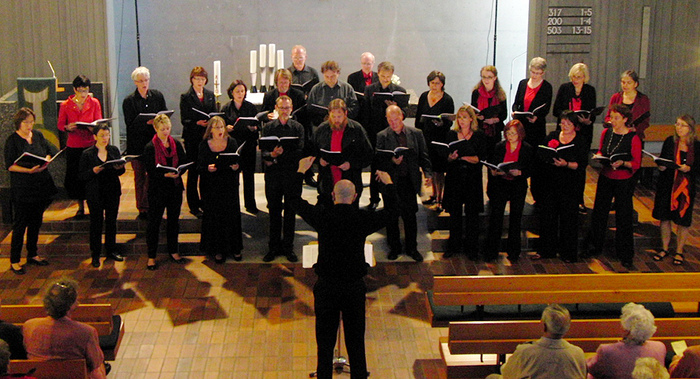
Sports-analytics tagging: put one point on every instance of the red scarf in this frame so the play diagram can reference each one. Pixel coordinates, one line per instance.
(575, 104)
(162, 153)
(337, 145)
(487, 98)
(511, 156)
(680, 195)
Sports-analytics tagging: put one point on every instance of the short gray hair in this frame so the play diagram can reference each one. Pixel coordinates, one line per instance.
(639, 322)
(60, 296)
(538, 63)
(140, 71)
(4, 357)
(556, 319)
(649, 368)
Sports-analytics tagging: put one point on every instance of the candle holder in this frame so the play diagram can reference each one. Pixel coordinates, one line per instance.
(263, 76)
(253, 79)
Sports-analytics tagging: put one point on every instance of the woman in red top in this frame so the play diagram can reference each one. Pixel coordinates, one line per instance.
(80, 107)
(636, 101)
(616, 181)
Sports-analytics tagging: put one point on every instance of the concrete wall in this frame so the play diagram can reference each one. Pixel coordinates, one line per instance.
(454, 36)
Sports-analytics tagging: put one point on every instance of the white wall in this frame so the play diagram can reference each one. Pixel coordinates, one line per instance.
(454, 36)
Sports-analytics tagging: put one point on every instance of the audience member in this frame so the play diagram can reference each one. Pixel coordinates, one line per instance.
(616, 360)
(686, 365)
(58, 336)
(551, 356)
(649, 368)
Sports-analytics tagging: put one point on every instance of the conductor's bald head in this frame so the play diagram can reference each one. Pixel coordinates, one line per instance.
(344, 192)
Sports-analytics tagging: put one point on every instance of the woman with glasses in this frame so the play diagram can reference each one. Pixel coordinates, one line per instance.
(79, 107)
(489, 97)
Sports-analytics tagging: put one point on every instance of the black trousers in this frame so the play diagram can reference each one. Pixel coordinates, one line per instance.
(333, 299)
(515, 193)
(464, 231)
(622, 191)
(280, 187)
(74, 186)
(158, 203)
(194, 201)
(559, 223)
(27, 217)
(103, 211)
(408, 207)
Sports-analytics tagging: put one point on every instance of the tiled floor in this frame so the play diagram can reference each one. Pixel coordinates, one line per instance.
(253, 320)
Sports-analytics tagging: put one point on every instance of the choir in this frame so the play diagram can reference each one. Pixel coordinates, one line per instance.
(329, 122)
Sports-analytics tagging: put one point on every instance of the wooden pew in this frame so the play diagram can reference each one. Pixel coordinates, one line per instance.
(482, 291)
(109, 327)
(63, 369)
(499, 338)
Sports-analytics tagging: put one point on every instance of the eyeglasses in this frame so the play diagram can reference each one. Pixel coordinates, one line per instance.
(284, 108)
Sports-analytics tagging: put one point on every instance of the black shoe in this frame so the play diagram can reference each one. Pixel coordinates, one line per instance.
(291, 256)
(33, 261)
(108, 368)
(180, 261)
(95, 262)
(582, 209)
(628, 265)
(115, 257)
(197, 213)
(415, 255)
(152, 267)
(372, 206)
(252, 210)
(449, 254)
(219, 259)
(393, 255)
(19, 271)
(430, 201)
(79, 215)
(237, 257)
(142, 216)
(269, 257)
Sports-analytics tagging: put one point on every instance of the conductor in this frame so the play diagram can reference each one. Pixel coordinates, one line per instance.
(340, 288)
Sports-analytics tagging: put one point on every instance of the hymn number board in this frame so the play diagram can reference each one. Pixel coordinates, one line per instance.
(569, 29)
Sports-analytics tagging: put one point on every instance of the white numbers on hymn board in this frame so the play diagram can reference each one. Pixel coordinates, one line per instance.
(569, 21)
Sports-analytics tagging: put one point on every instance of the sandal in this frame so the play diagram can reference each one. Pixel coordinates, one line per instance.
(660, 255)
(678, 259)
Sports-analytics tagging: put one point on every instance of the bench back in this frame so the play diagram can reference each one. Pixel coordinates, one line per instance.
(56, 369)
(502, 337)
(566, 288)
(97, 315)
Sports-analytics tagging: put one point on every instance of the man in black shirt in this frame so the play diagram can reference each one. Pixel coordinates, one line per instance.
(340, 289)
(280, 165)
(140, 132)
(302, 73)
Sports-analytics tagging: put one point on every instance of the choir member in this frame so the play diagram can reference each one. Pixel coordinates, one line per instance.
(375, 121)
(244, 132)
(102, 191)
(139, 131)
(616, 181)
(79, 107)
(283, 87)
(405, 171)
(348, 137)
(578, 95)
(301, 72)
(280, 186)
(675, 188)
(489, 97)
(329, 89)
(464, 190)
(218, 175)
(636, 101)
(534, 95)
(505, 186)
(194, 104)
(435, 102)
(359, 80)
(31, 187)
(164, 189)
(559, 213)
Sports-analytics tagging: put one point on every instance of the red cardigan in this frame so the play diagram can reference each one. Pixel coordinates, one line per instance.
(69, 113)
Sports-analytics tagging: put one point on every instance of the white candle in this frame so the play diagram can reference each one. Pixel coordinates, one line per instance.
(280, 59)
(217, 78)
(271, 58)
(263, 55)
(253, 61)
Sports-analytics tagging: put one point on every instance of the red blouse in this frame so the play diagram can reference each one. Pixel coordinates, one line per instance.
(69, 113)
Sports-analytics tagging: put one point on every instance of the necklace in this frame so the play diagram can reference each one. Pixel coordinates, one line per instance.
(622, 136)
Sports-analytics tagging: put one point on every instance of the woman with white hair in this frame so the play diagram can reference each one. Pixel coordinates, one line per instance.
(617, 360)
(649, 368)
